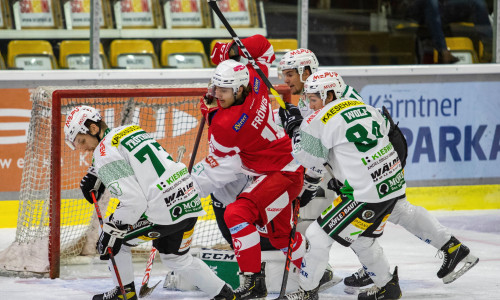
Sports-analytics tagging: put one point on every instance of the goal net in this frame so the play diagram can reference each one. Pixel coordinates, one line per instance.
(56, 225)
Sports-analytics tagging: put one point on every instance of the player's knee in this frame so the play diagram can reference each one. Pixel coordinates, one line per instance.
(317, 236)
(368, 248)
(232, 215)
(403, 212)
(176, 262)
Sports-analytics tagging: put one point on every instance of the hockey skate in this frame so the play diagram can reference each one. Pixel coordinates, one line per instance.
(389, 291)
(225, 294)
(356, 280)
(454, 253)
(328, 280)
(303, 295)
(116, 294)
(253, 285)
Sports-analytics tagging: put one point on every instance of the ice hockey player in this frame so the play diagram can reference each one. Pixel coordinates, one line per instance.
(295, 68)
(243, 126)
(157, 200)
(336, 138)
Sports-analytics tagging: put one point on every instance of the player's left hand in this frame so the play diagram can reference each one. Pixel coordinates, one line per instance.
(111, 237)
(290, 118)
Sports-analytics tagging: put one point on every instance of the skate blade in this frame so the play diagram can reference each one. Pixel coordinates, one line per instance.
(470, 261)
(335, 280)
(351, 290)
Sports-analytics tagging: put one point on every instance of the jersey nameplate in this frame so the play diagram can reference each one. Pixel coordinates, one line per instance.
(115, 141)
(337, 108)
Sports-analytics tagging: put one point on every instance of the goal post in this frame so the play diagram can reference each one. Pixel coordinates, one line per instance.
(55, 224)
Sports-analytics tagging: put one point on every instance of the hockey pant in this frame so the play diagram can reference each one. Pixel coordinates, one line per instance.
(418, 221)
(173, 244)
(369, 253)
(267, 201)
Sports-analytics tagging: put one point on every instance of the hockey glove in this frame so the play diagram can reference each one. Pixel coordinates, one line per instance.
(309, 189)
(89, 183)
(220, 52)
(335, 185)
(208, 107)
(111, 237)
(290, 118)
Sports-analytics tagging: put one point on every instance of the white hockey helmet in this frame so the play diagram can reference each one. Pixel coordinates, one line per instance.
(298, 59)
(324, 81)
(231, 74)
(75, 123)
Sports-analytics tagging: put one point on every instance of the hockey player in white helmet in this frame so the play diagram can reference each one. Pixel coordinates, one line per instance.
(415, 219)
(296, 66)
(157, 201)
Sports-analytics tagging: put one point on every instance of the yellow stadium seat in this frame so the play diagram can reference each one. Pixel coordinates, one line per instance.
(133, 54)
(461, 47)
(183, 54)
(282, 46)
(75, 55)
(31, 55)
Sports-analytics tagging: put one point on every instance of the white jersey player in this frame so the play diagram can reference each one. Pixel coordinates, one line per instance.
(295, 67)
(346, 122)
(157, 200)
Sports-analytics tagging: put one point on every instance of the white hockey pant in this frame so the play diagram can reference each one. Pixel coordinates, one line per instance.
(194, 271)
(369, 252)
(418, 221)
(124, 264)
(316, 258)
(372, 257)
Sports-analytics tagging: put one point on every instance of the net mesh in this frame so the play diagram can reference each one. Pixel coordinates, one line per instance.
(172, 120)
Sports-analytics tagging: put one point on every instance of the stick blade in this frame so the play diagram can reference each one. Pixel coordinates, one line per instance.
(146, 290)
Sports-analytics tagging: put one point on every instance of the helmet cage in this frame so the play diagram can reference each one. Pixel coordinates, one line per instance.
(322, 82)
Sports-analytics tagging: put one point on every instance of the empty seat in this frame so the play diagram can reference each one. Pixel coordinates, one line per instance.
(31, 55)
(75, 55)
(133, 54)
(282, 46)
(462, 48)
(183, 54)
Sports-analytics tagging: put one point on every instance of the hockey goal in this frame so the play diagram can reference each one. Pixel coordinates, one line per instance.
(56, 225)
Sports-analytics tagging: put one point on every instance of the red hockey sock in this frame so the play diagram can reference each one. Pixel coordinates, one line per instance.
(246, 243)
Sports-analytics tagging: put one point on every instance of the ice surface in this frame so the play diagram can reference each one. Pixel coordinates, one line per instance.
(417, 262)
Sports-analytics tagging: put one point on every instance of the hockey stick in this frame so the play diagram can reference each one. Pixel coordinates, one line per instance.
(290, 246)
(196, 144)
(110, 252)
(237, 40)
(145, 289)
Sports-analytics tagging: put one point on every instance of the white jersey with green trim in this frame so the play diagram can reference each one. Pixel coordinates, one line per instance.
(353, 138)
(143, 176)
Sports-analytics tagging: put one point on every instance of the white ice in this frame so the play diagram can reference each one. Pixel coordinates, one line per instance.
(417, 262)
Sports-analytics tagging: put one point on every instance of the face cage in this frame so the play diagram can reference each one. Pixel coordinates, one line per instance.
(321, 94)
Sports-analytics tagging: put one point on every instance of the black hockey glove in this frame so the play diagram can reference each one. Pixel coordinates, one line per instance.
(89, 183)
(290, 118)
(111, 237)
(335, 185)
(309, 189)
